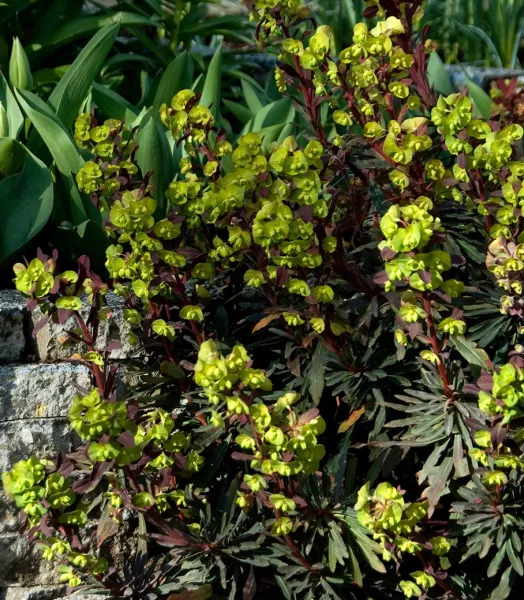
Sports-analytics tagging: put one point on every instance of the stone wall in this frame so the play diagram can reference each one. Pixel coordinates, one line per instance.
(36, 387)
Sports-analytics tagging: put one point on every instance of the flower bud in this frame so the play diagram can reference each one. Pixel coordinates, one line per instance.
(19, 69)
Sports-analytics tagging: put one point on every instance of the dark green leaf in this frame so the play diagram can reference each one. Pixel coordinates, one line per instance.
(52, 132)
(437, 76)
(471, 352)
(211, 91)
(27, 203)
(480, 99)
(71, 91)
(14, 114)
(154, 154)
(112, 105)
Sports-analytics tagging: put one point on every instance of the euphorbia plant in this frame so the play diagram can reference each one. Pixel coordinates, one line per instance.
(350, 260)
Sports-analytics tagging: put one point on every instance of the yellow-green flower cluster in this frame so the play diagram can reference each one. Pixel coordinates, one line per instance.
(37, 493)
(134, 213)
(507, 394)
(91, 416)
(104, 141)
(218, 375)
(421, 580)
(96, 419)
(272, 185)
(269, 12)
(496, 460)
(113, 148)
(24, 482)
(389, 518)
(272, 432)
(38, 280)
(505, 259)
(282, 442)
(408, 230)
(185, 117)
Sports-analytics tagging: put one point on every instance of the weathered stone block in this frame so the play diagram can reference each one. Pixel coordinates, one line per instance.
(45, 592)
(13, 326)
(21, 563)
(53, 342)
(44, 437)
(38, 391)
(8, 515)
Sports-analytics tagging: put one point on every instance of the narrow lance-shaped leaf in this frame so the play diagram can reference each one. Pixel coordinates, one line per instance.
(85, 26)
(70, 93)
(53, 133)
(211, 91)
(15, 117)
(154, 154)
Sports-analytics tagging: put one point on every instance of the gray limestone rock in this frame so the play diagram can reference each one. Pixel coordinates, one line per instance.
(13, 326)
(21, 563)
(37, 391)
(46, 592)
(43, 437)
(53, 342)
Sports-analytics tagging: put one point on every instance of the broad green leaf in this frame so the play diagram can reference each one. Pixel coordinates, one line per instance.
(26, 204)
(52, 132)
(68, 96)
(211, 91)
(355, 568)
(112, 105)
(274, 114)
(496, 561)
(482, 35)
(437, 76)
(480, 99)
(14, 114)
(177, 76)
(252, 100)
(85, 26)
(154, 154)
(284, 587)
(76, 206)
(124, 59)
(242, 113)
(514, 558)
(471, 352)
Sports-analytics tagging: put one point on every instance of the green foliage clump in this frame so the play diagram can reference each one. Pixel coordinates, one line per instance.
(328, 326)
